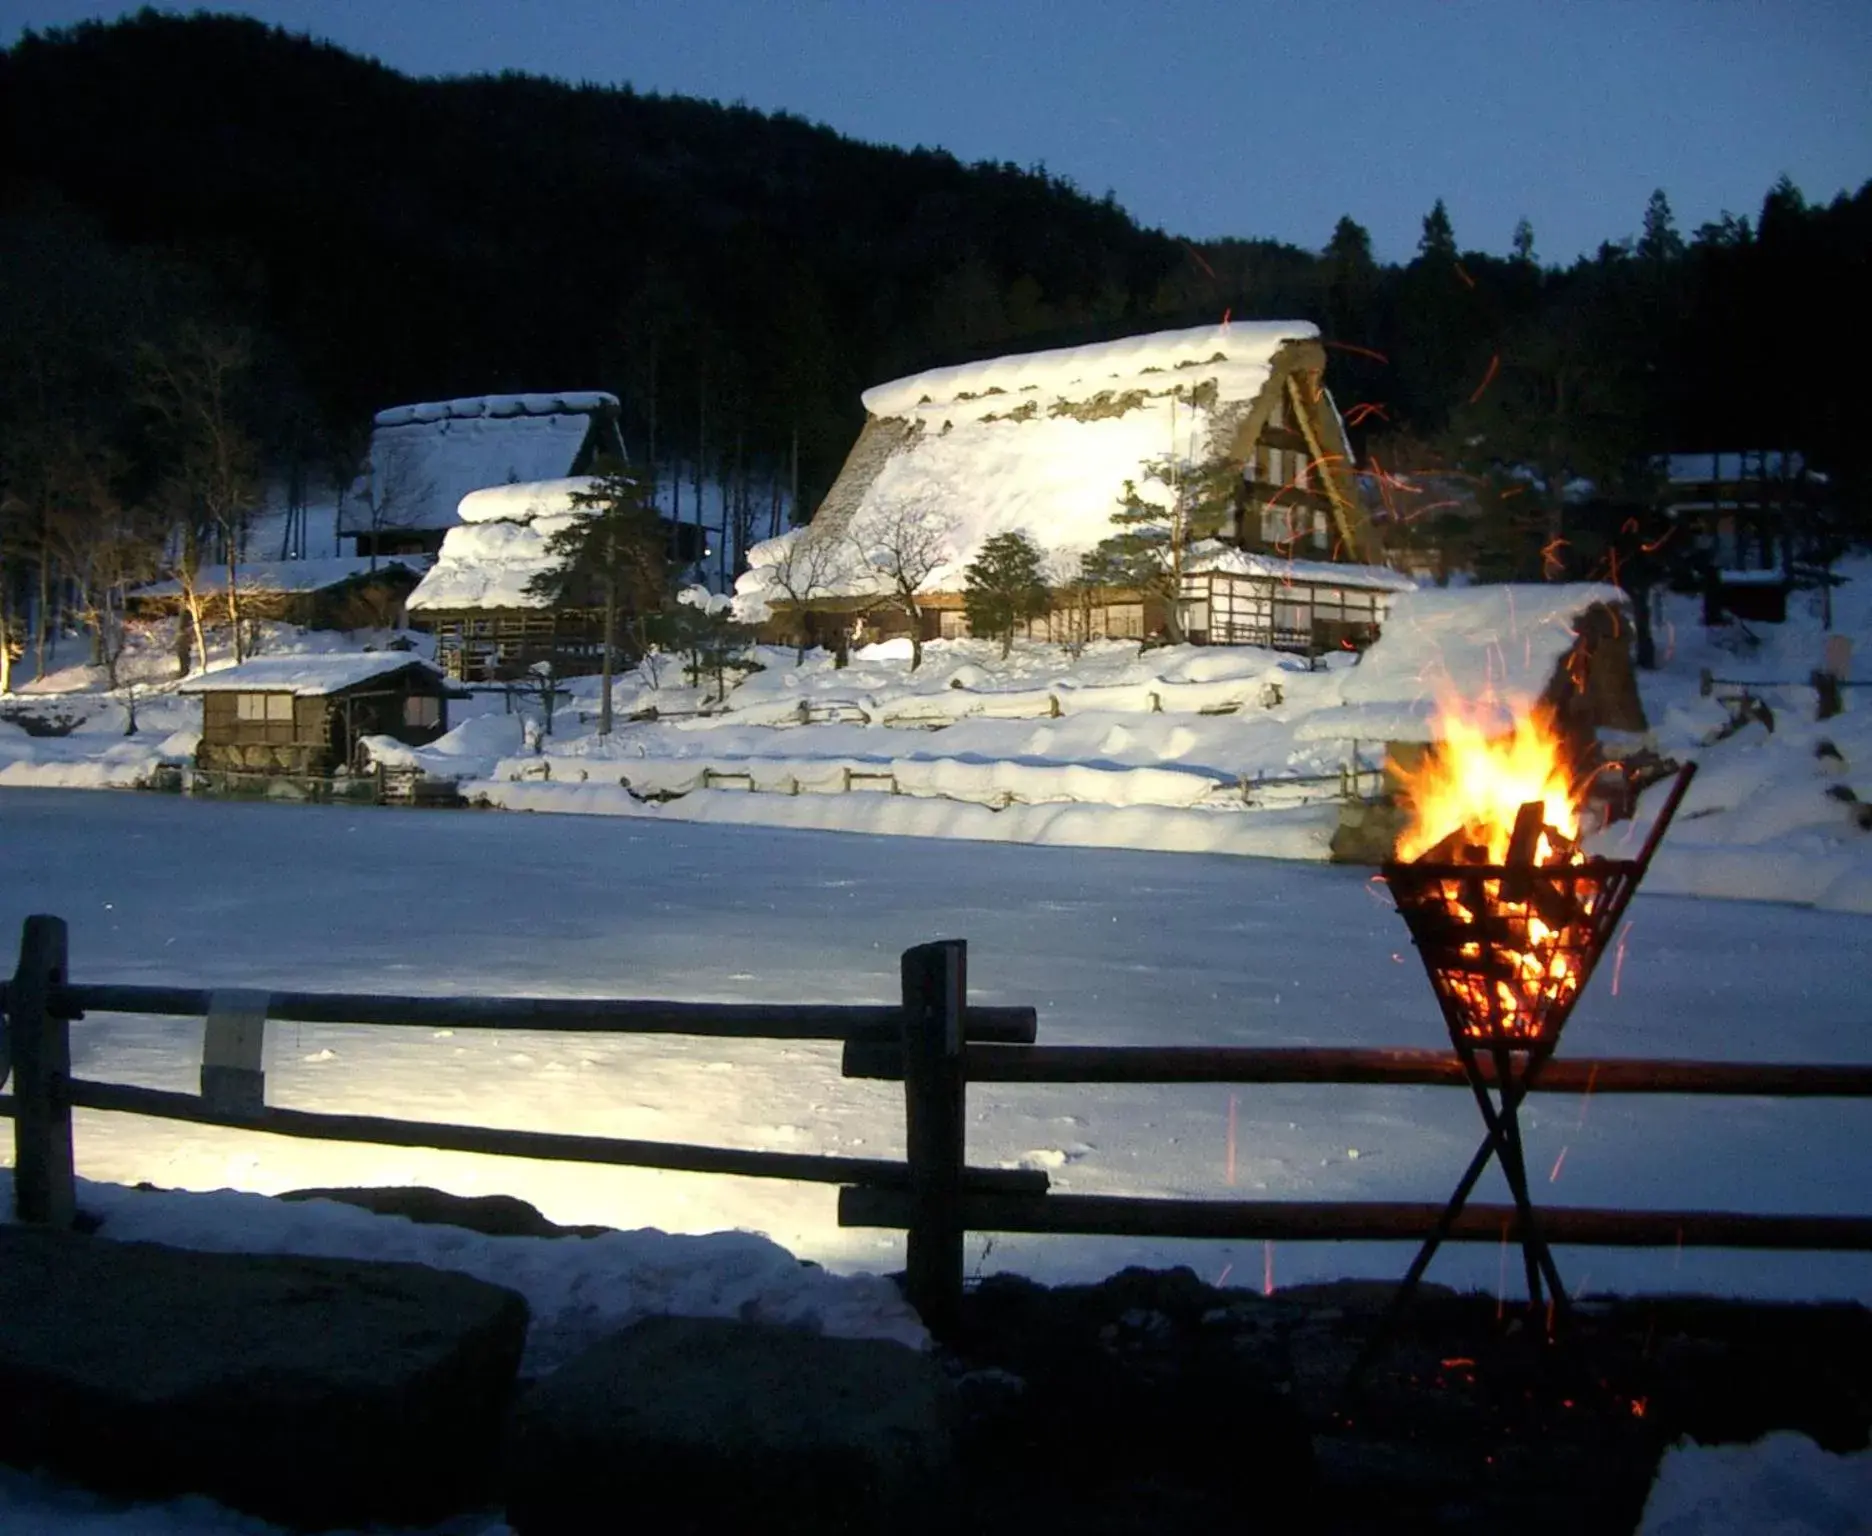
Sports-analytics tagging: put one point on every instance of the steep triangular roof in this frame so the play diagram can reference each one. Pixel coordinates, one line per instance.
(1043, 443)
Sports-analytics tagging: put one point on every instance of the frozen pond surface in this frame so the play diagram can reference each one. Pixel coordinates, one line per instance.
(1111, 947)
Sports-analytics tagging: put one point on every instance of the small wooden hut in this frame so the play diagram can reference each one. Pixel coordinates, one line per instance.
(302, 716)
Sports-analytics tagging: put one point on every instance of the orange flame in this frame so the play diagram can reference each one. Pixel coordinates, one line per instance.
(1475, 781)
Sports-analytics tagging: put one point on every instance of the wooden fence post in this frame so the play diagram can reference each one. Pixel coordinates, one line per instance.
(935, 983)
(233, 1069)
(43, 1189)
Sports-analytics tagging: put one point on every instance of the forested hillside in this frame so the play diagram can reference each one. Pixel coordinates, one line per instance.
(350, 237)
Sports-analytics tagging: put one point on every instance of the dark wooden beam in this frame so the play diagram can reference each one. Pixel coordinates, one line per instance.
(986, 1063)
(1365, 1221)
(549, 1146)
(571, 1015)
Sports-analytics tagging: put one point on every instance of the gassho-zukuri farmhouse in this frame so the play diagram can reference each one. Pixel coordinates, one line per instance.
(1046, 444)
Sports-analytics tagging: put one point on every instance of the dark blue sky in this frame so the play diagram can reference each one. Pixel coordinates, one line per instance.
(1231, 117)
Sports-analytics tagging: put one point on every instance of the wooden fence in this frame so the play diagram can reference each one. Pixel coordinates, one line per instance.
(932, 1040)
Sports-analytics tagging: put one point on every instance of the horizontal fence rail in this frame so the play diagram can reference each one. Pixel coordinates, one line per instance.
(569, 1015)
(883, 1061)
(1363, 1221)
(550, 1146)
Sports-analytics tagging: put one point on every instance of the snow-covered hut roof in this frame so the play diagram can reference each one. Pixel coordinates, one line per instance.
(1492, 644)
(287, 575)
(1042, 443)
(499, 546)
(306, 676)
(425, 458)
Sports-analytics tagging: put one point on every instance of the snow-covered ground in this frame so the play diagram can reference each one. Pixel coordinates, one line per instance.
(1221, 750)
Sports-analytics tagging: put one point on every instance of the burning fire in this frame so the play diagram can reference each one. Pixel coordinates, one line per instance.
(1510, 949)
(1475, 784)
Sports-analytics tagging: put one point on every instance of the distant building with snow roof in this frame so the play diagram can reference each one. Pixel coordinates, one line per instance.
(303, 716)
(1744, 510)
(340, 593)
(425, 458)
(1045, 444)
(480, 600)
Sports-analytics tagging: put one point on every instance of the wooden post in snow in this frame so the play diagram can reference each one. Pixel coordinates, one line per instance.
(934, 993)
(43, 1187)
(233, 1069)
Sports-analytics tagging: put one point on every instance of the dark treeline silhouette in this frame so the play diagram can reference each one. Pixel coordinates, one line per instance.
(738, 277)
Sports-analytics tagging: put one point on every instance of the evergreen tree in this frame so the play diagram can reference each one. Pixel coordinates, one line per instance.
(1351, 282)
(616, 552)
(1156, 531)
(1438, 242)
(1524, 242)
(1660, 243)
(1005, 588)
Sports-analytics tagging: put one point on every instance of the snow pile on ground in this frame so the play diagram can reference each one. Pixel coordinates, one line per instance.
(577, 1289)
(1782, 1485)
(1779, 808)
(1177, 748)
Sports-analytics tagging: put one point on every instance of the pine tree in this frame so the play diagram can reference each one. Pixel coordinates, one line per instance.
(1005, 588)
(1150, 551)
(1438, 242)
(1524, 242)
(1660, 241)
(1351, 281)
(619, 549)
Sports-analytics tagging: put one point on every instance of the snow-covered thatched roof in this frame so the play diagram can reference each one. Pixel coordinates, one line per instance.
(306, 676)
(425, 458)
(1043, 443)
(499, 546)
(288, 575)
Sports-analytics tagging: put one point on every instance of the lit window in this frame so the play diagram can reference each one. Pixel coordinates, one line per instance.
(419, 711)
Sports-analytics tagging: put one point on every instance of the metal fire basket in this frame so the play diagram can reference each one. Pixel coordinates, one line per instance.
(1509, 948)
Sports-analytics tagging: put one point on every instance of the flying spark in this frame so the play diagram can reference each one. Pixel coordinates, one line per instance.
(1494, 367)
(1234, 1101)
(1618, 958)
(1586, 1097)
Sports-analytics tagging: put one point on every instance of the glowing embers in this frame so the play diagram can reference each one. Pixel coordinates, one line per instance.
(1505, 909)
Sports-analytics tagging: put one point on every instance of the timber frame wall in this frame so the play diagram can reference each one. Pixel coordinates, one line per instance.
(932, 1040)
(1307, 617)
(484, 645)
